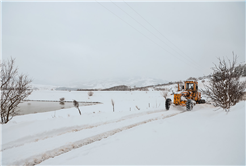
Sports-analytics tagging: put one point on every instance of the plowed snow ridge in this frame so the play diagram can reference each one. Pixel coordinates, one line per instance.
(87, 141)
(72, 140)
(56, 132)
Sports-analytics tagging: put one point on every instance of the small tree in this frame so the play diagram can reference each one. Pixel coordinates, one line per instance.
(14, 89)
(112, 102)
(76, 104)
(225, 88)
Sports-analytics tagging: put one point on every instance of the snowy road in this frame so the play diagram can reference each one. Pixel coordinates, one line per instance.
(66, 139)
(199, 137)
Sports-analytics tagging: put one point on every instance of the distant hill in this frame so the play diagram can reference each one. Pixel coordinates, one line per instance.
(105, 84)
(130, 82)
(135, 83)
(118, 88)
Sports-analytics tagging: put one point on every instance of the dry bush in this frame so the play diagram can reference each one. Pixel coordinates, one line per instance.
(14, 89)
(192, 78)
(244, 96)
(200, 78)
(90, 93)
(62, 101)
(225, 88)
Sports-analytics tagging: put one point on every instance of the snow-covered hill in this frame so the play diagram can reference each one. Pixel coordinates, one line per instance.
(104, 83)
(107, 83)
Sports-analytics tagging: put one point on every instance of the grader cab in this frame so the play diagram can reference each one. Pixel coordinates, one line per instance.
(188, 96)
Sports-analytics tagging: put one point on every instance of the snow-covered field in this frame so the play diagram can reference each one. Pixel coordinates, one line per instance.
(124, 101)
(140, 131)
(199, 137)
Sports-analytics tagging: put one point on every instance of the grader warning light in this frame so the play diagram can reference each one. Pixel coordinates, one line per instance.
(188, 96)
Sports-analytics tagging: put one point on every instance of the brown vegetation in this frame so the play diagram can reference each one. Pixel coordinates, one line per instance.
(14, 89)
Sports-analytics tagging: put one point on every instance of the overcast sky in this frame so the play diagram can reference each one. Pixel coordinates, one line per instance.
(61, 43)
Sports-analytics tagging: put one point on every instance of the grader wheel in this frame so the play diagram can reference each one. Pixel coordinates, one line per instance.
(189, 105)
(168, 103)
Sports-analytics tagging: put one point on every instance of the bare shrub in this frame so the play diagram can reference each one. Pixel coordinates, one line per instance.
(112, 102)
(225, 88)
(164, 94)
(62, 101)
(244, 96)
(203, 81)
(200, 78)
(192, 78)
(90, 93)
(14, 89)
(76, 104)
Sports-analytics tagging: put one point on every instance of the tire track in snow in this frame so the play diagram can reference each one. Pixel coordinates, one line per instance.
(52, 133)
(37, 159)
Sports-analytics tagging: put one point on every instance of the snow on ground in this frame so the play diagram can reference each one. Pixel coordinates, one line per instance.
(199, 137)
(146, 134)
(98, 96)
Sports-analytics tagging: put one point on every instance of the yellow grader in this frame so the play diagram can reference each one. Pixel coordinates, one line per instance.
(188, 96)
